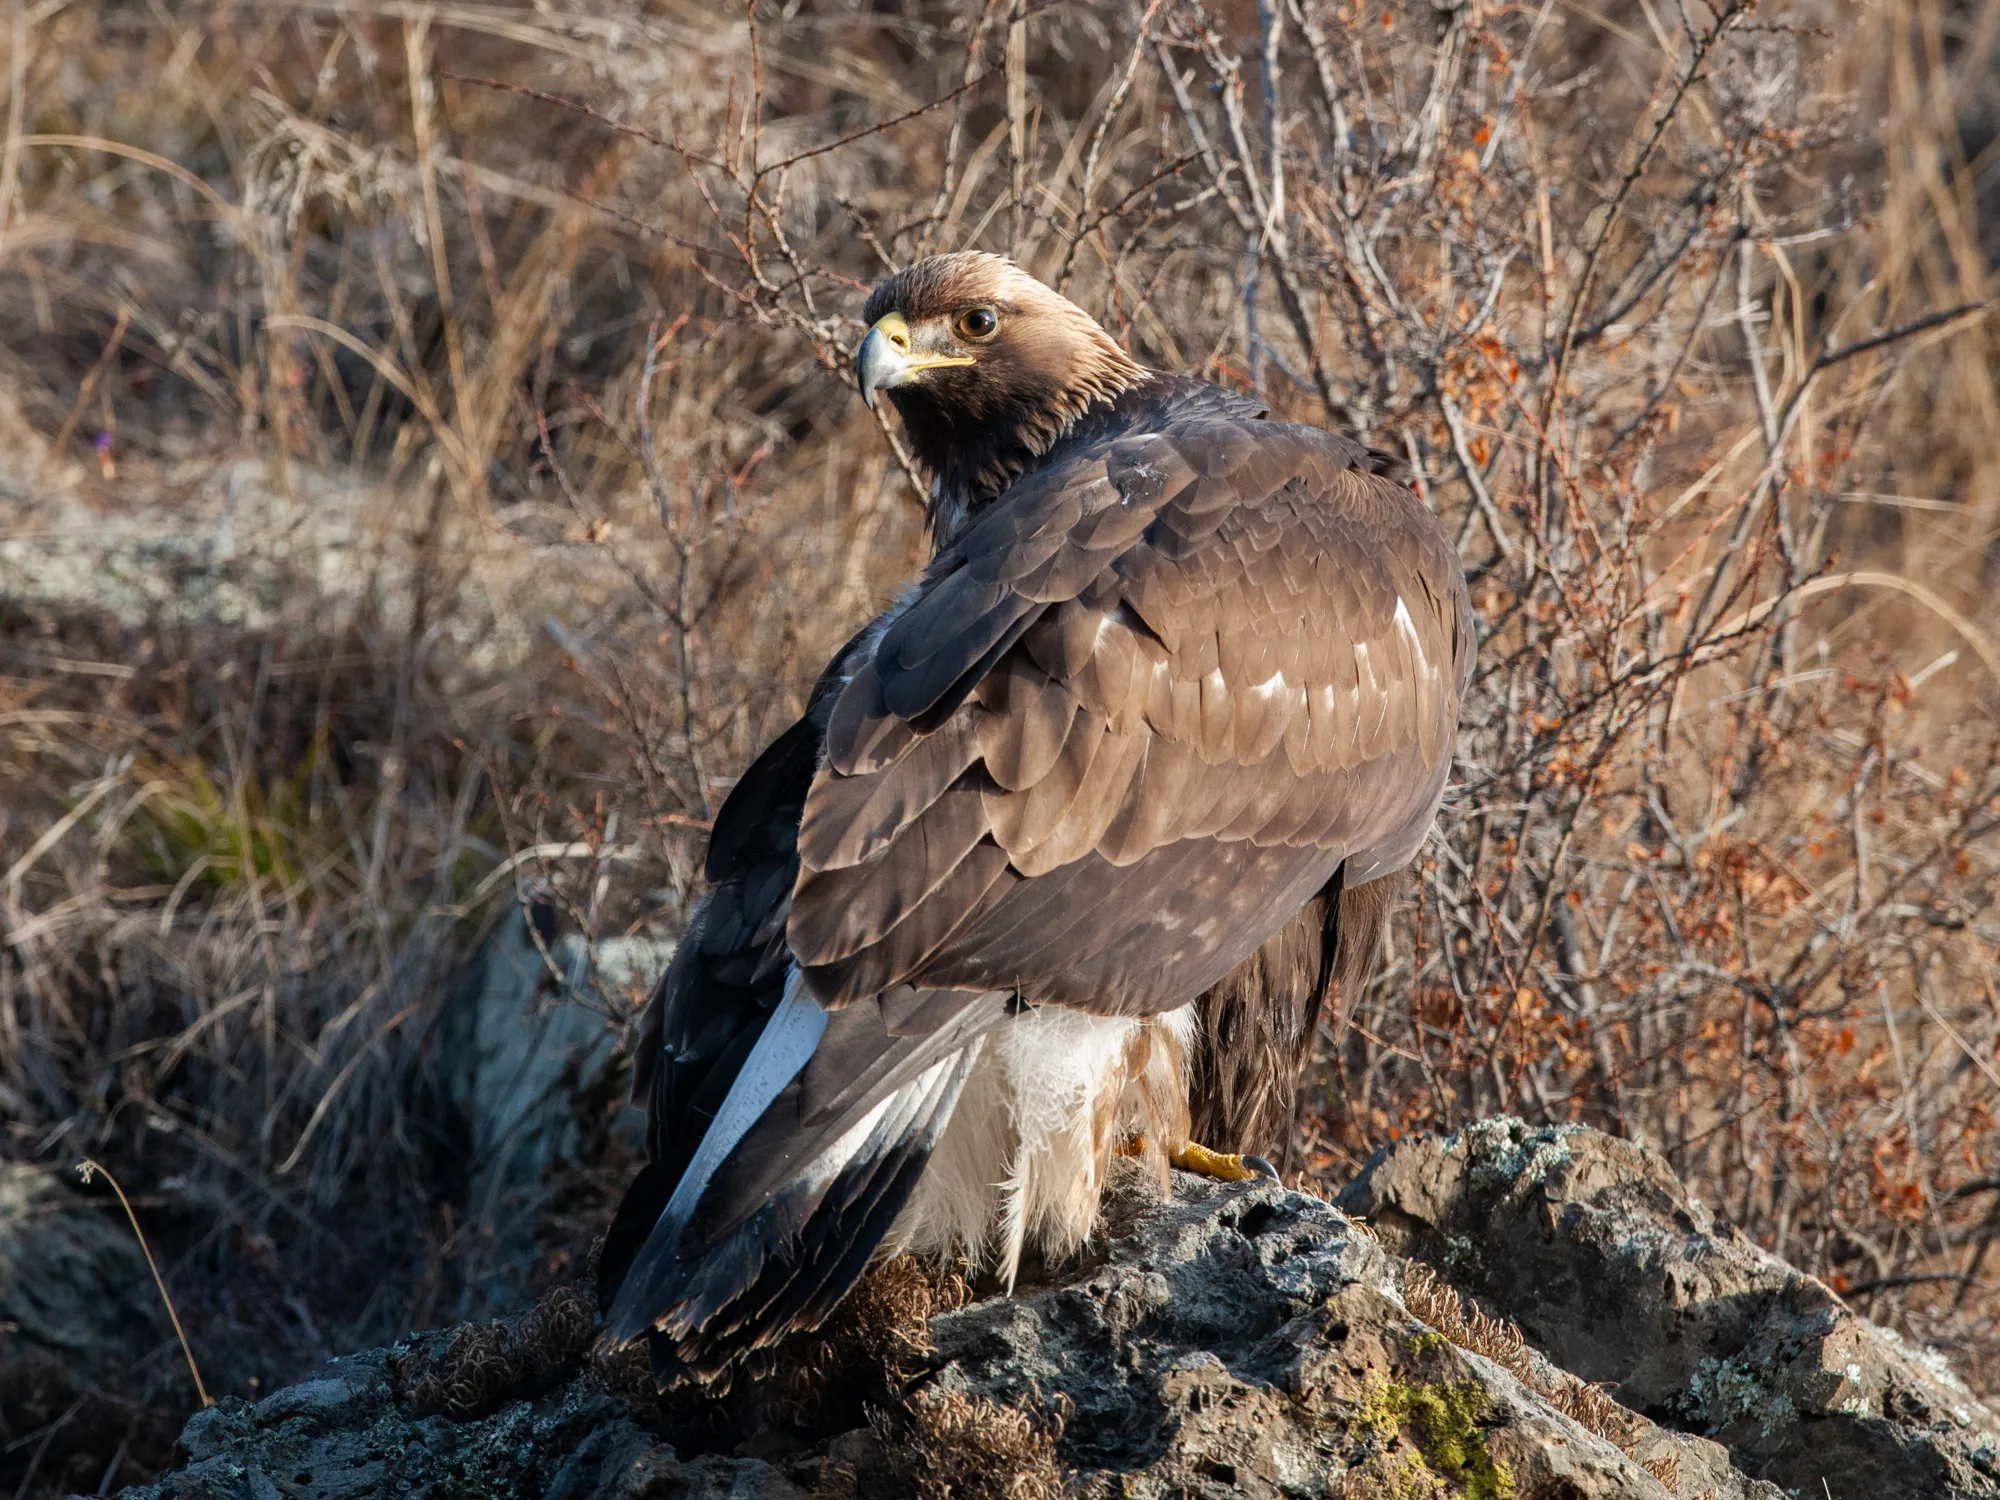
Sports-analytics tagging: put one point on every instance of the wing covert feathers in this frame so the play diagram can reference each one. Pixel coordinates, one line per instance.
(1166, 649)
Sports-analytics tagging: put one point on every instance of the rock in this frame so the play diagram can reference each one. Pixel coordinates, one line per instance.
(79, 1315)
(347, 1433)
(1614, 1272)
(1235, 1341)
(1251, 1341)
(73, 1281)
(522, 1055)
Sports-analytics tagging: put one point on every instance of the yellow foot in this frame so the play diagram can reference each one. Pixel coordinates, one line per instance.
(1194, 1157)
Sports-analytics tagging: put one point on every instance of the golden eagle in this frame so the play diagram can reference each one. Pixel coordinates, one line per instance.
(1092, 808)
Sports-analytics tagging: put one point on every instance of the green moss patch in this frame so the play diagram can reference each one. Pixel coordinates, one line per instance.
(1441, 1421)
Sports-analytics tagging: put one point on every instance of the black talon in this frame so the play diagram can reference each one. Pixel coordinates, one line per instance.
(1261, 1167)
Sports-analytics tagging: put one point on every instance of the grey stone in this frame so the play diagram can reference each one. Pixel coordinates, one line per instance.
(1618, 1275)
(73, 1281)
(320, 1398)
(521, 1052)
(715, 1478)
(320, 1445)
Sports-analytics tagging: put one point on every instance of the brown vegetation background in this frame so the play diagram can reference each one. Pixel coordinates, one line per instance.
(431, 470)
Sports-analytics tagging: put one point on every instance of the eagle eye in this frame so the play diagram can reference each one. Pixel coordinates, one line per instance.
(978, 323)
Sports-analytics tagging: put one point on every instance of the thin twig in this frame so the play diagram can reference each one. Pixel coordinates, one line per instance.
(86, 1169)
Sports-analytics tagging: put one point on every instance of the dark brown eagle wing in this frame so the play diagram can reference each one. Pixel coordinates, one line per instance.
(1131, 720)
(708, 1014)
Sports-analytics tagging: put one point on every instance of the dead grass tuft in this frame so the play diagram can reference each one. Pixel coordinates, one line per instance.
(948, 1445)
(1666, 1468)
(873, 1344)
(482, 1366)
(812, 1385)
(1439, 1304)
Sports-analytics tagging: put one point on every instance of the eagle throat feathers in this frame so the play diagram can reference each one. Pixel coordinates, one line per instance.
(970, 472)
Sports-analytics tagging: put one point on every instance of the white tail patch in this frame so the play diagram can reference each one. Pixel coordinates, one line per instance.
(782, 1049)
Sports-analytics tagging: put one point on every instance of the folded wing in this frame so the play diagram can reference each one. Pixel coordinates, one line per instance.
(1136, 715)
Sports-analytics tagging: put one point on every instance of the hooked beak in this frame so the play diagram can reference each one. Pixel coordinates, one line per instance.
(886, 358)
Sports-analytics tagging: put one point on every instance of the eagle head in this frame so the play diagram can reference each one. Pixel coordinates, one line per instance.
(987, 367)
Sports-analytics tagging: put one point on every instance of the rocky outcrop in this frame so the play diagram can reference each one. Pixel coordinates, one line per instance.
(1254, 1341)
(1595, 1249)
(1234, 1341)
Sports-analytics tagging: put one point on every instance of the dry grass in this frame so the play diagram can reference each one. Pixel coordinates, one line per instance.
(865, 1354)
(419, 492)
(1439, 1304)
(481, 1366)
(947, 1445)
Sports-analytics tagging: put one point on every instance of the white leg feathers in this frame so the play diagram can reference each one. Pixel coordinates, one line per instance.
(1050, 1098)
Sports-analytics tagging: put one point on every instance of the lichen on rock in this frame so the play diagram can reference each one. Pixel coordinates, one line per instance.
(1617, 1275)
(1723, 1392)
(1441, 1421)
